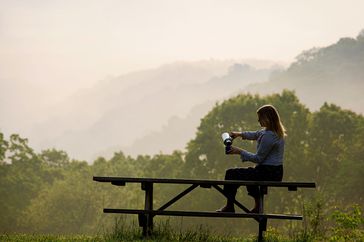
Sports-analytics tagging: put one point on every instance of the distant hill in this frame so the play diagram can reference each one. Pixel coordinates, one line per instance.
(116, 113)
(332, 74)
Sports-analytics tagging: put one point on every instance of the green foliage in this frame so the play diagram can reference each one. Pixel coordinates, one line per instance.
(71, 199)
(20, 181)
(349, 224)
(3, 148)
(55, 158)
(314, 215)
(331, 136)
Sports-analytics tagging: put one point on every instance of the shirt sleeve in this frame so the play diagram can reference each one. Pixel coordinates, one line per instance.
(250, 135)
(265, 146)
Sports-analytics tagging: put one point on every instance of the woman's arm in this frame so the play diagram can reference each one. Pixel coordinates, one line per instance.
(235, 134)
(266, 144)
(249, 135)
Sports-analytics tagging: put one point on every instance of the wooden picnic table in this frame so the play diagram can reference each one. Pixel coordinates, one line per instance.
(145, 216)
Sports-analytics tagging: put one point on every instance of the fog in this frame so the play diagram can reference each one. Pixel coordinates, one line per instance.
(76, 72)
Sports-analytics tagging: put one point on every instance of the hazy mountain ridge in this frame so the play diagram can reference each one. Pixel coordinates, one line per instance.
(331, 74)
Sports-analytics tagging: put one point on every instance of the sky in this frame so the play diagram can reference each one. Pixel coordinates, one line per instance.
(71, 44)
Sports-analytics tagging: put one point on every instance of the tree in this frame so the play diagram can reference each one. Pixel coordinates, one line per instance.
(66, 206)
(332, 132)
(20, 181)
(55, 158)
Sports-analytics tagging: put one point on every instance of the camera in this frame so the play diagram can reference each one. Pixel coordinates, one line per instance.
(228, 141)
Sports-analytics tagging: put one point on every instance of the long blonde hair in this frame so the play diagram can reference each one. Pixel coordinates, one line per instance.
(270, 114)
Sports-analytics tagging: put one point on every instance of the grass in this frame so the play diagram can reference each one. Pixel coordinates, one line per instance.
(46, 238)
(124, 232)
(189, 236)
(162, 232)
(159, 235)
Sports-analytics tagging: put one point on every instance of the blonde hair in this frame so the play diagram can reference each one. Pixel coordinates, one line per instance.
(270, 114)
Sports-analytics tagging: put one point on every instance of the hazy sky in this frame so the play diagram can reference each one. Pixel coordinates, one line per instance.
(74, 43)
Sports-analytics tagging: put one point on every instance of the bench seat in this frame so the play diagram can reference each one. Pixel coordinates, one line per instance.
(203, 214)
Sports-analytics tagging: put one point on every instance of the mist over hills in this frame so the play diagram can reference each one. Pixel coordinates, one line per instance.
(333, 74)
(119, 112)
(158, 110)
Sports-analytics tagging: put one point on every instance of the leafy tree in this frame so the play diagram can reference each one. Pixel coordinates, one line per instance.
(331, 137)
(20, 181)
(66, 206)
(55, 158)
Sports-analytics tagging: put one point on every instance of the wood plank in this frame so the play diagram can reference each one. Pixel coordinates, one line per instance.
(204, 214)
(205, 182)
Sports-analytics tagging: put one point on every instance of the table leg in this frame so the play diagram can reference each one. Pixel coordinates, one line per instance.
(148, 225)
(262, 221)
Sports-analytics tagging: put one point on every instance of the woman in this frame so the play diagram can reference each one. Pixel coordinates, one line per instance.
(269, 157)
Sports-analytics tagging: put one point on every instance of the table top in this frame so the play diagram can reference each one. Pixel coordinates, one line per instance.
(204, 181)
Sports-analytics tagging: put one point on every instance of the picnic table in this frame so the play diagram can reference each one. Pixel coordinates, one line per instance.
(146, 215)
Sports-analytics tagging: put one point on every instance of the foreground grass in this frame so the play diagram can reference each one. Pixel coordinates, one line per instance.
(44, 238)
(160, 234)
(346, 226)
(189, 236)
(165, 232)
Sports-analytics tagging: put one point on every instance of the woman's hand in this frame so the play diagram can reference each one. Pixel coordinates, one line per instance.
(234, 134)
(235, 150)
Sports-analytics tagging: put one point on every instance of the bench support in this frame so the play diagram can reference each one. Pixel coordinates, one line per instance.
(147, 220)
(262, 221)
(179, 196)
